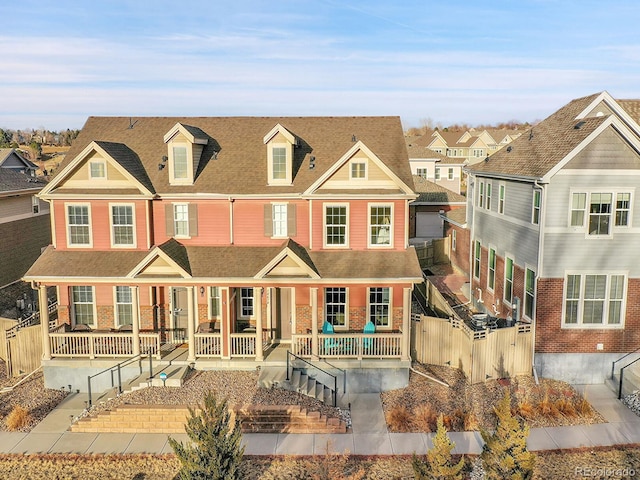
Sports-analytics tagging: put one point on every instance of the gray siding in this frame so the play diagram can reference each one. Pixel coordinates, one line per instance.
(511, 232)
(567, 248)
(607, 151)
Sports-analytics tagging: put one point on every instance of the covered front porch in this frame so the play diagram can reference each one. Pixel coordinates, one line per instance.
(213, 324)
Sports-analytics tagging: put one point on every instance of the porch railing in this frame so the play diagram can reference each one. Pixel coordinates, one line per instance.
(243, 344)
(350, 345)
(94, 345)
(208, 345)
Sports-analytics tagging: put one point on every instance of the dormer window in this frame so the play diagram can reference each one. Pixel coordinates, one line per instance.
(185, 145)
(180, 163)
(97, 170)
(280, 143)
(358, 170)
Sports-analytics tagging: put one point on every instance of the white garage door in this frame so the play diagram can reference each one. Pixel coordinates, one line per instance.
(428, 225)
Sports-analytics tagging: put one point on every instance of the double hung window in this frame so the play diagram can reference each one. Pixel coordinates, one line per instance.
(594, 300)
(124, 306)
(335, 306)
(379, 303)
(78, 224)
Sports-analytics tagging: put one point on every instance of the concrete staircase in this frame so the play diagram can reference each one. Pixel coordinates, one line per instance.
(175, 375)
(631, 378)
(301, 380)
(286, 419)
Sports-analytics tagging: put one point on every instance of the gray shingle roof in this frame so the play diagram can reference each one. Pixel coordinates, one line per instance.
(229, 262)
(11, 181)
(129, 160)
(542, 147)
(430, 192)
(240, 167)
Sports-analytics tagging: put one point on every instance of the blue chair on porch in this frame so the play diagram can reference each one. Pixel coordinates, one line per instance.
(329, 343)
(367, 342)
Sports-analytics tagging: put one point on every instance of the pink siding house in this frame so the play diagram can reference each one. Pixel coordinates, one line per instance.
(227, 238)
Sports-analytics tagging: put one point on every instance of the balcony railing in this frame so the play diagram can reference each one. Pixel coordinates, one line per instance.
(350, 345)
(100, 345)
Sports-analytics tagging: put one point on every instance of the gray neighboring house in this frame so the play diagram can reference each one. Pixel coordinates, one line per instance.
(10, 159)
(555, 229)
(25, 226)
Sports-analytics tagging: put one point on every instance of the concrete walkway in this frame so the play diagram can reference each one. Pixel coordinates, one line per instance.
(368, 436)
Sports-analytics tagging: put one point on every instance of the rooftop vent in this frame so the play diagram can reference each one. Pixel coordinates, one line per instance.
(578, 125)
(530, 134)
(312, 162)
(509, 148)
(354, 138)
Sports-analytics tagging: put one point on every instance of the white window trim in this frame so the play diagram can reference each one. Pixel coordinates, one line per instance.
(73, 306)
(368, 313)
(366, 169)
(181, 181)
(116, 320)
(346, 308)
(286, 220)
(210, 314)
(488, 193)
(585, 220)
(66, 221)
(289, 162)
(35, 205)
(253, 299)
(597, 326)
(437, 174)
(391, 230)
(324, 225)
(535, 292)
(133, 217)
(104, 165)
(450, 174)
(175, 230)
(533, 206)
(454, 239)
(490, 287)
(502, 190)
(480, 201)
(513, 280)
(477, 243)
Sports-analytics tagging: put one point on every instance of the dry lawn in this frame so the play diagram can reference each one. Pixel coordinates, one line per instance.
(468, 407)
(549, 466)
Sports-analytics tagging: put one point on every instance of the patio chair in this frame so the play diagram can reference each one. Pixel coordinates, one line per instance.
(329, 343)
(367, 342)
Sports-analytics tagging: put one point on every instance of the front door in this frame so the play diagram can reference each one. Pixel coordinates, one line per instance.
(180, 313)
(282, 313)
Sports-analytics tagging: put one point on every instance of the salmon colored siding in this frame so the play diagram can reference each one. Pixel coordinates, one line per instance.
(358, 222)
(100, 215)
(248, 223)
(213, 222)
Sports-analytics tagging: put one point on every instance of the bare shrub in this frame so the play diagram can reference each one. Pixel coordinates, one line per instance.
(566, 407)
(547, 408)
(425, 418)
(18, 418)
(470, 422)
(399, 419)
(583, 407)
(526, 409)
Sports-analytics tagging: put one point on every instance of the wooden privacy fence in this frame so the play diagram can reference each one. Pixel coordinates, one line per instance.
(480, 354)
(22, 351)
(433, 252)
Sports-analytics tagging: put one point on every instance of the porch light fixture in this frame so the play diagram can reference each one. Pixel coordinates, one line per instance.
(202, 291)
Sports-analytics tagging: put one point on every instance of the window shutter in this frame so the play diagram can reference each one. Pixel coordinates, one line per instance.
(268, 220)
(291, 220)
(168, 219)
(193, 220)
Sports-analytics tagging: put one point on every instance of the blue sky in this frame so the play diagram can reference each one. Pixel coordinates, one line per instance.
(451, 61)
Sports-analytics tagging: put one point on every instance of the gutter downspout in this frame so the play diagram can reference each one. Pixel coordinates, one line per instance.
(543, 207)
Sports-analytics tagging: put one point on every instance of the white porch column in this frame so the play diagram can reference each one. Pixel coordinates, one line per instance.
(44, 321)
(191, 327)
(135, 321)
(406, 324)
(313, 293)
(257, 302)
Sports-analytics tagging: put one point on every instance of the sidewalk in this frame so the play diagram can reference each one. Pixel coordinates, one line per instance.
(368, 436)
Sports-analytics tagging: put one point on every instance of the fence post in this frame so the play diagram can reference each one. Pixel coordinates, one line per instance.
(89, 389)
(150, 365)
(119, 380)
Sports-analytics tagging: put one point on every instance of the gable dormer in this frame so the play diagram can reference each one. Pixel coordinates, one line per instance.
(184, 145)
(280, 143)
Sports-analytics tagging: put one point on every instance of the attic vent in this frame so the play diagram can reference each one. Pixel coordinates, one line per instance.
(486, 159)
(599, 114)
(578, 125)
(509, 148)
